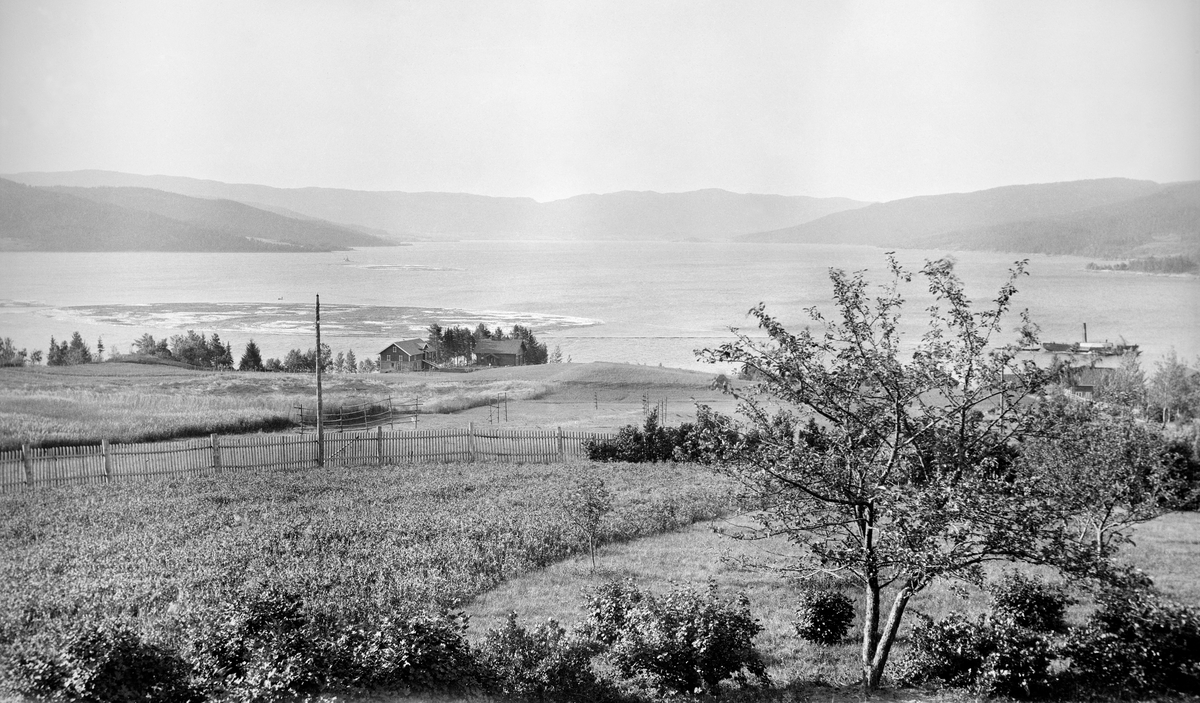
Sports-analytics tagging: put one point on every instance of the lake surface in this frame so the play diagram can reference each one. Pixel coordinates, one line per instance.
(640, 302)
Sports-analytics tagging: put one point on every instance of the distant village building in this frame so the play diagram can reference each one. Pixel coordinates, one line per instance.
(406, 355)
(505, 352)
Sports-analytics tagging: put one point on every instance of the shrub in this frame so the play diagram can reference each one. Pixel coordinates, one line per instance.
(680, 642)
(267, 646)
(421, 651)
(260, 647)
(711, 438)
(98, 662)
(1137, 642)
(989, 656)
(546, 663)
(1030, 602)
(824, 617)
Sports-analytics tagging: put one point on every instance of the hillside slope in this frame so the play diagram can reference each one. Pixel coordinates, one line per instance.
(229, 217)
(911, 221)
(1166, 222)
(35, 219)
(705, 214)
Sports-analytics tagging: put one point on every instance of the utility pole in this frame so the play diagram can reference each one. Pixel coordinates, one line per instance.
(320, 400)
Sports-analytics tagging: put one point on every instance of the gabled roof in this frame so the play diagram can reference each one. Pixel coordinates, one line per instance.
(412, 347)
(504, 346)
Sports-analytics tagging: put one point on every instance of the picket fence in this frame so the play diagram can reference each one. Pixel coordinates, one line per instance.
(33, 467)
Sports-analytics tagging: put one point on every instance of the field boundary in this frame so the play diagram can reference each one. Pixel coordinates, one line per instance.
(31, 467)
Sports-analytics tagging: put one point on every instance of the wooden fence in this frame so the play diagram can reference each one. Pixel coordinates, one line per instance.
(33, 467)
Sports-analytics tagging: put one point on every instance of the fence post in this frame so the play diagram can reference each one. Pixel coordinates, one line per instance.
(471, 439)
(379, 444)
(216, 452)
(558, 432)
(107, 460)
(27, 459)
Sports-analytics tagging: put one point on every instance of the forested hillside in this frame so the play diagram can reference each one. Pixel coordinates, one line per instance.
(41, 219)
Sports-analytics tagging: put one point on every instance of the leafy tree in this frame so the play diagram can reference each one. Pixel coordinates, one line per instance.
(586, 504)
(251, 358)
(36, 356)
(351, 362)
(339, 363)
(482, 332)
(1174, 390)
(888, 464)
(10, 355)
(191, 348)
(1105, 471)
(296, 362)
(273, 364)
(162, 349)
(145, 345)
(1126, 386)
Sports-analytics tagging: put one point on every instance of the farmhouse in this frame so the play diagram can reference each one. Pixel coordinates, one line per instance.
(406, 355)
(506, 352)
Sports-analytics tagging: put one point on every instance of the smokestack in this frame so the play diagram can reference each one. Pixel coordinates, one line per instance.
(1085, 331)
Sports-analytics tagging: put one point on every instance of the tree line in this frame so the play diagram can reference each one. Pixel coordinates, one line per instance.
(456, 344)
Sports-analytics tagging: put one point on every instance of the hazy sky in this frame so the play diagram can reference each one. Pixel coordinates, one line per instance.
(870, 100)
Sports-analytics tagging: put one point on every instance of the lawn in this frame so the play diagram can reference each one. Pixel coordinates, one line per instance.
(1168, 549)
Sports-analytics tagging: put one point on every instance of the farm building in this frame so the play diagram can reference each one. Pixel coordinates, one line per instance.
(506, 352)
(406, 355)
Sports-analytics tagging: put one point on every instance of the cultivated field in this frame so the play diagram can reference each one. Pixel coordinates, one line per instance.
(138, 402)
(389, 538)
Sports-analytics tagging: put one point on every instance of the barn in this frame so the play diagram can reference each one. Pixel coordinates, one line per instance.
(405, 355)
(505, 352)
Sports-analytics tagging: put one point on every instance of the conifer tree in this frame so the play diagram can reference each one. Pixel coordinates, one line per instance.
(251, 358)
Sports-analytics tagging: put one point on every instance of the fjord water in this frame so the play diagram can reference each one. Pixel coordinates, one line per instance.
(639, 302)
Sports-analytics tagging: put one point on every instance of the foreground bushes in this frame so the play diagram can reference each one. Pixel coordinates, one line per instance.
(1136, 643)
(271, 645)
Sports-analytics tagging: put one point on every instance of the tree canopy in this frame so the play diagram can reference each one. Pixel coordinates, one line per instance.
(895, 462)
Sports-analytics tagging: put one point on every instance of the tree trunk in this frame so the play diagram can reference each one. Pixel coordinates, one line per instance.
(884, 647)
(870, 633)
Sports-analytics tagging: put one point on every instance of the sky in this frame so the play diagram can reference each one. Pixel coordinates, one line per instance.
(868, 100)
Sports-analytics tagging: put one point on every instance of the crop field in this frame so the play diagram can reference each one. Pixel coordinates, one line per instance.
(139, 403)
(425, 536)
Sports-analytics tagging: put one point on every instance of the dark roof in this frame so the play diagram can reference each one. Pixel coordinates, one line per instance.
(504, 346)
(412, 347)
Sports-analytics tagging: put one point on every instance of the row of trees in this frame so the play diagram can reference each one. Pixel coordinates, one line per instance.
(1150, 264)
(450, 343)
(897, 469)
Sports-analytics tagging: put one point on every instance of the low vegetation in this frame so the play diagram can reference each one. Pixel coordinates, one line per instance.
(268, 567)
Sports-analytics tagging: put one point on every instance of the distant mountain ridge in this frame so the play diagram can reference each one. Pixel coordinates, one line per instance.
(127, 219)
(1113, 217)
(645, 215)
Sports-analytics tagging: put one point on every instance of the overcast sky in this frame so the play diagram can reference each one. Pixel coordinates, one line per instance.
(870, 100)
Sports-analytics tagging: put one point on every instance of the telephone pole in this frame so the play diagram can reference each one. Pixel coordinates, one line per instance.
(320, 400)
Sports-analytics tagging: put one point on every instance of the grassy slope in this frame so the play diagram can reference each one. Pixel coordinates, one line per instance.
(1168, 549)
(130, 402)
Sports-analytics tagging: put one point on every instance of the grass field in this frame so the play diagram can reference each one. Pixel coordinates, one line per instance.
(138, 402)
(1168, 549)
